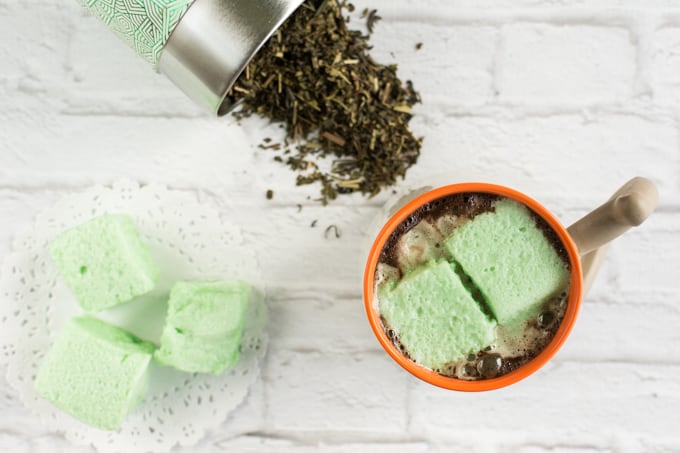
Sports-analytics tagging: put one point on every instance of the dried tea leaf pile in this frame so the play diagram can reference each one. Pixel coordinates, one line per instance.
(316, 77)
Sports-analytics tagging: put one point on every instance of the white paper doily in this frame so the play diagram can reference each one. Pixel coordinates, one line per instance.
(189, 241)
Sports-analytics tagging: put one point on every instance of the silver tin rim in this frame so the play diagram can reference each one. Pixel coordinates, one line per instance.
(214, 42)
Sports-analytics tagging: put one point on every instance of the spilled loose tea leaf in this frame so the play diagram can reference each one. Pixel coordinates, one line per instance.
(315, 76)
(371, 18)
(333, 228)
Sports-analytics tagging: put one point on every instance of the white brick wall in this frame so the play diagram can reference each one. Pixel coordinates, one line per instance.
(567, 64)
(567, 99)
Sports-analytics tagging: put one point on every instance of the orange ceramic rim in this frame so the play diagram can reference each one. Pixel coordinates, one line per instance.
(427, 375)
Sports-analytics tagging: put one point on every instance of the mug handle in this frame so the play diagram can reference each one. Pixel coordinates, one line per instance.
(628, 207)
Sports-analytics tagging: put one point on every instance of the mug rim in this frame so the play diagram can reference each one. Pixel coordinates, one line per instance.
(451, 383)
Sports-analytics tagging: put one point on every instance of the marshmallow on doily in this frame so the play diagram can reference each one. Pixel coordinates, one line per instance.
(189, 241)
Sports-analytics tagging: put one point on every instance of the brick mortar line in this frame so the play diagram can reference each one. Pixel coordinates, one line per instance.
(300, 438)
(512, 437)
(377, 439)
(527, 110)
(94, 113)
(516, 111)
(650, 111)
(616, 302)
(606, 17)
(665, 207)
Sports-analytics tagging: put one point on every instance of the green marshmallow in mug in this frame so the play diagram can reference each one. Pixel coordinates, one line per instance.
(434, 317)
(510, 260)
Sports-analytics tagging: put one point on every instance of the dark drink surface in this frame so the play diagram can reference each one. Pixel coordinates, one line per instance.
(425, 237)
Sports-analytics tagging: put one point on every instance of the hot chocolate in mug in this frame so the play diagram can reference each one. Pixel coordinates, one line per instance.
(582, 247)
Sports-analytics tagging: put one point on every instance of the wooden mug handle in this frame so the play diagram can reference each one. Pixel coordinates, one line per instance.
(631, 205)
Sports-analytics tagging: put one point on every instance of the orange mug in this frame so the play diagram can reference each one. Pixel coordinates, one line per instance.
(586, 243)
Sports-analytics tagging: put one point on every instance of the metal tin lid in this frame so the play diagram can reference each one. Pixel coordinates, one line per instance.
(214, 42)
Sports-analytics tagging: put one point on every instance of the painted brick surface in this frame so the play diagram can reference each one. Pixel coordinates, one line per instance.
(575, 63)
(565, 100)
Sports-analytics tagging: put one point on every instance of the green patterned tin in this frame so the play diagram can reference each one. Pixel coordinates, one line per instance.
(202, 46)
(145, 25)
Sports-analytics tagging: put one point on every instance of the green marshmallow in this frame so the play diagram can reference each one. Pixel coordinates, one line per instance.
(104, 262)
(510, 260)
(204, 326)
(435, 317)
(95, 372)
